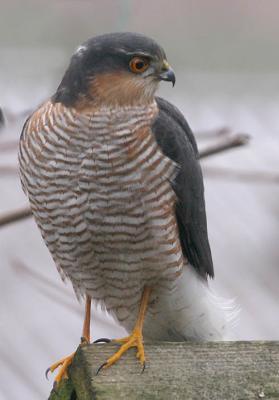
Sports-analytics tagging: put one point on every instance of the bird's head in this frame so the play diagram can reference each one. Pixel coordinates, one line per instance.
(116, 69)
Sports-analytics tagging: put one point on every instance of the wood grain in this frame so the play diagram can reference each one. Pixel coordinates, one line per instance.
(215, 371)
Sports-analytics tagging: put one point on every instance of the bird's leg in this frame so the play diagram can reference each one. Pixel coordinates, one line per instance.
(85, 339)
(86, 323)
(135, 339)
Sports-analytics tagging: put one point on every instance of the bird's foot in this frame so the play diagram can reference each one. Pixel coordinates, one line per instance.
(63, 365)
(134, 340)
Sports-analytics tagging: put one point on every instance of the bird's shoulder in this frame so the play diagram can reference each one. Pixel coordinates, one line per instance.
(35, 121)
(174, 117)
(177, 142)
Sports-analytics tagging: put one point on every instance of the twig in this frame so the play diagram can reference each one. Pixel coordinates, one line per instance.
(10, 145)
(210, 133)
(48, 288)
(265, 177)
(15, 116)
(8, 170)
(2, 119)
(15, 216)
(230, 142)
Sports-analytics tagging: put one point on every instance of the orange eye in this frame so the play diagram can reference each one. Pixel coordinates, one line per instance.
(138, 65)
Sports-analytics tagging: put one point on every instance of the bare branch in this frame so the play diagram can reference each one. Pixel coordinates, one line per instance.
(2, 119)
(10, 145)
(230, 142)
(8, 170)
(211, 133)
(15, 216)
(13, 116)
(265, 177)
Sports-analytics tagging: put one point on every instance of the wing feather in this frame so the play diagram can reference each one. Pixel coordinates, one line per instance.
(177, 142)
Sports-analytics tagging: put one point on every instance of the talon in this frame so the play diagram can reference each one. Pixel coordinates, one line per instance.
(63, 364)
(102, 340)
(47, 372)
(143, 367)
(83, 340)
(100, 368)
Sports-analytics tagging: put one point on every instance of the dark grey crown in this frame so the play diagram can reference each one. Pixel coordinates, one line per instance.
(105, 53)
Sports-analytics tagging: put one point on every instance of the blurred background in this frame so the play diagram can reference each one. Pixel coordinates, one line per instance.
(226, 59)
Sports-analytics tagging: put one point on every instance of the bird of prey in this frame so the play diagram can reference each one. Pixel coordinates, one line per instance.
(114, 183)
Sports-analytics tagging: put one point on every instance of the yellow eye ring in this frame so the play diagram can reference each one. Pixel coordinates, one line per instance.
(138, 65)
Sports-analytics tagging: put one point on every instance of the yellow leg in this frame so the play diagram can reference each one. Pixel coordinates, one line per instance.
(135, 339)
(85, 339)
(86, 323)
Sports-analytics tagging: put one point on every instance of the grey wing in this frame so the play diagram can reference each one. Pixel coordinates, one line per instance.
(177, 142)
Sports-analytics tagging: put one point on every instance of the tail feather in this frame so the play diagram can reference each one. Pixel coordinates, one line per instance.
(190, 311)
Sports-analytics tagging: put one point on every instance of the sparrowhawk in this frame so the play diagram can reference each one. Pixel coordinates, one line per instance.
(114, 182)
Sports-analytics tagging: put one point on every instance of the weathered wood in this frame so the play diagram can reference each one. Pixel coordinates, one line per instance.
(186, 371)
(65, 391)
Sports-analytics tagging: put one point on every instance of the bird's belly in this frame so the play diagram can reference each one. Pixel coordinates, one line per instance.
(105, 207)
(133, 236)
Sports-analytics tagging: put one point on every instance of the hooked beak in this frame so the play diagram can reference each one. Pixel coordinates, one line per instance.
(167, 73)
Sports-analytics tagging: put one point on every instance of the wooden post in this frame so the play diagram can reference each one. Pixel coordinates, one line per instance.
(186, 371)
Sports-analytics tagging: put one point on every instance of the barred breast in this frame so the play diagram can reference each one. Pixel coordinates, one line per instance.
(100, 190)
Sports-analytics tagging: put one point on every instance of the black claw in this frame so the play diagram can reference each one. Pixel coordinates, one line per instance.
(100, 368)
(143, 367)
(47, 372)
(102, 340)
(83, 340)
